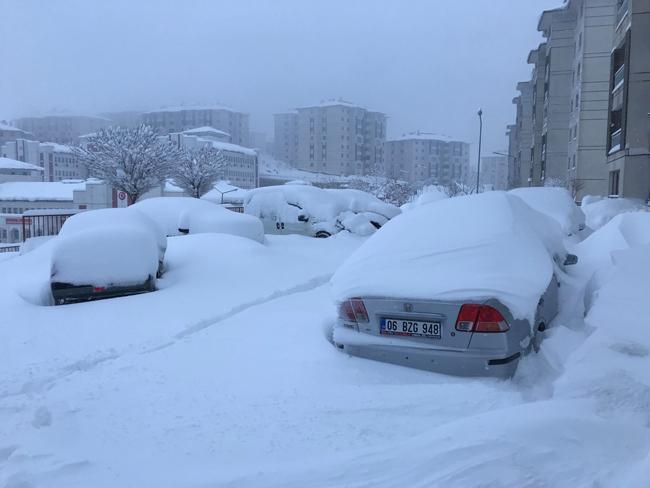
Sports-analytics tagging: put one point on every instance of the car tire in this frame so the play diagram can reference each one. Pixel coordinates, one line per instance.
(322, 234)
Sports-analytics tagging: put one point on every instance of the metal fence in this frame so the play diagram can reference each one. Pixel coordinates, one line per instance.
(43, 225)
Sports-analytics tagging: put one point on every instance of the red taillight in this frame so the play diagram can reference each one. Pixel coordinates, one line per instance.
(98, 289)
(480, 318)
(353, 310)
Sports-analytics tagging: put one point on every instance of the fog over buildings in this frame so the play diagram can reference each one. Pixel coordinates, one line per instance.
(427, 65)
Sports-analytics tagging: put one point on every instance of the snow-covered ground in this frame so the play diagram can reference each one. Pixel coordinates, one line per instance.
(224, 377)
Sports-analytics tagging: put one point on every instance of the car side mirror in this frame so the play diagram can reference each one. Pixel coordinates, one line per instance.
(570, 260)
(303, 218)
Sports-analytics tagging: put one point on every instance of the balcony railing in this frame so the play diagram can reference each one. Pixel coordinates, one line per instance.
(622, 11)
(619, 78)
(615, 141)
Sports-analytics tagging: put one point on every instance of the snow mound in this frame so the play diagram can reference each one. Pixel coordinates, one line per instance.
(105, 256)
(33, 242)
(326, 209)
(601, 211)
(119, 220)
(166, 211)
(476, 247)
(222, 221)
(555, 203)
(429, 194)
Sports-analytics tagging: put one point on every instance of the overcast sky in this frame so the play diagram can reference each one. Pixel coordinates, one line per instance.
(428, 64)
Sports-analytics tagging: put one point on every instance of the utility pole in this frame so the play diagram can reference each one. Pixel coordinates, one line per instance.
(480, 140)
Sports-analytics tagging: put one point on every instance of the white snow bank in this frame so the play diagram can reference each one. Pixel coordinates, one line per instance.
(600, 211)
(224, 192)
(328, 210)
(33, 242)
(105, 256)
(222, 221)
(477, 247)
(166, 211)
(555, 203)
(429, 194)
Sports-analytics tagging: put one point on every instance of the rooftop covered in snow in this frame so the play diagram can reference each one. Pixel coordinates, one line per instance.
(424, 136)
(34, 191)
(8, 163)
(182, 108)
(206, 130)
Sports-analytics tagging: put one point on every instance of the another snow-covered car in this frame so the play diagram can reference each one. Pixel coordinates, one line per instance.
(556, 203)
(106, 253)
(316, 212)
(462, 287)
(184, 215)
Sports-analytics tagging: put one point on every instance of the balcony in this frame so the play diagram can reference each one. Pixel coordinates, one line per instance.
(619, 79)
(615, 141)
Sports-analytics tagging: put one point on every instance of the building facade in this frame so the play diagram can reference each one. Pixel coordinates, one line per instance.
(494, 172)
(520, 137)
(340, 138)
(628, 131)
(14, 170)
(178, 119)
(427, 158)
(9, 133)
(63, 129)
(285, 137)
(537, 58)
(57, 160)
(242, 168)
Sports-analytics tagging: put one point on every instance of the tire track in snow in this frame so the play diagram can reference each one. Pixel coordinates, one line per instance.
(87, 364)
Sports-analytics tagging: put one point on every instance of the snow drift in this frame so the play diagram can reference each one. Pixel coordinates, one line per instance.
(556, 203)
(599, 211)
(477, 247)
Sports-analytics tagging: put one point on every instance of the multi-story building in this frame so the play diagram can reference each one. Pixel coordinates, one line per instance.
(14, 170)
(178, 119)
(520, 149)
(64, 129)
(285, 139)
(127, 119)
(421, 157)
(628, 134)
(558, 27)
(588, 103)
(494, 171)
(514, 163)
(57, 160)
(340, 138)
(242, 167)
(10, 133)
(537, 58)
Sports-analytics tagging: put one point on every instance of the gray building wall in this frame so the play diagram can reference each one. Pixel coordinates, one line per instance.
(558, 27)
(587, 153)
(178, 119)
(426, 158)
(494, 172)
(63, 129)
(285, 139)
(340, 138)
(629, 160)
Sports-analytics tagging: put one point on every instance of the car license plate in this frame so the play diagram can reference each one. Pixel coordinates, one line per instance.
(410, 328)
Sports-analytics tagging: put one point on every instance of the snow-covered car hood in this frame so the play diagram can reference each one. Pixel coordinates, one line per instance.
(475, 247)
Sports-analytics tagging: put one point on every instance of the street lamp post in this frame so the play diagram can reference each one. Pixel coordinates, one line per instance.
(480, 140)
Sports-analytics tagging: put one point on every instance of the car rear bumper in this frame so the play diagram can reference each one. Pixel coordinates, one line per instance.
(65, 293)
(500, 364)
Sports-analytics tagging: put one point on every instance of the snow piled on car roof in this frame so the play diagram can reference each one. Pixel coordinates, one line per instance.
(555, 203)
(475, 247)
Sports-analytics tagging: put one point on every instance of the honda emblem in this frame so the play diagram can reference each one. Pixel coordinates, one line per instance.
(408, 307)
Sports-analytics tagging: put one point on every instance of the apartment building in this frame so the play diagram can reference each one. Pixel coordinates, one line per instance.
(422, 157)
(520, 137)
(14, 170)
(340, 138)
(285, 138)
(63, 129)
(587, 155)
(628, 131)
(242, 168)
(178, 119)
(537, 58)
(494, 171)
(57, 160)
(10, 133)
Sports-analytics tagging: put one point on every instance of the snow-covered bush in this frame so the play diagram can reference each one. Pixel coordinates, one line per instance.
(130, 160)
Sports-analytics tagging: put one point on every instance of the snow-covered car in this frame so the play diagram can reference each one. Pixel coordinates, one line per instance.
(317, 212)
(467, 296)
(106, 253)
(184, 215)
(555, 203)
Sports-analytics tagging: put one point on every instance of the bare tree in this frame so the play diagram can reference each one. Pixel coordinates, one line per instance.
(130, 160)
(198, 170)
